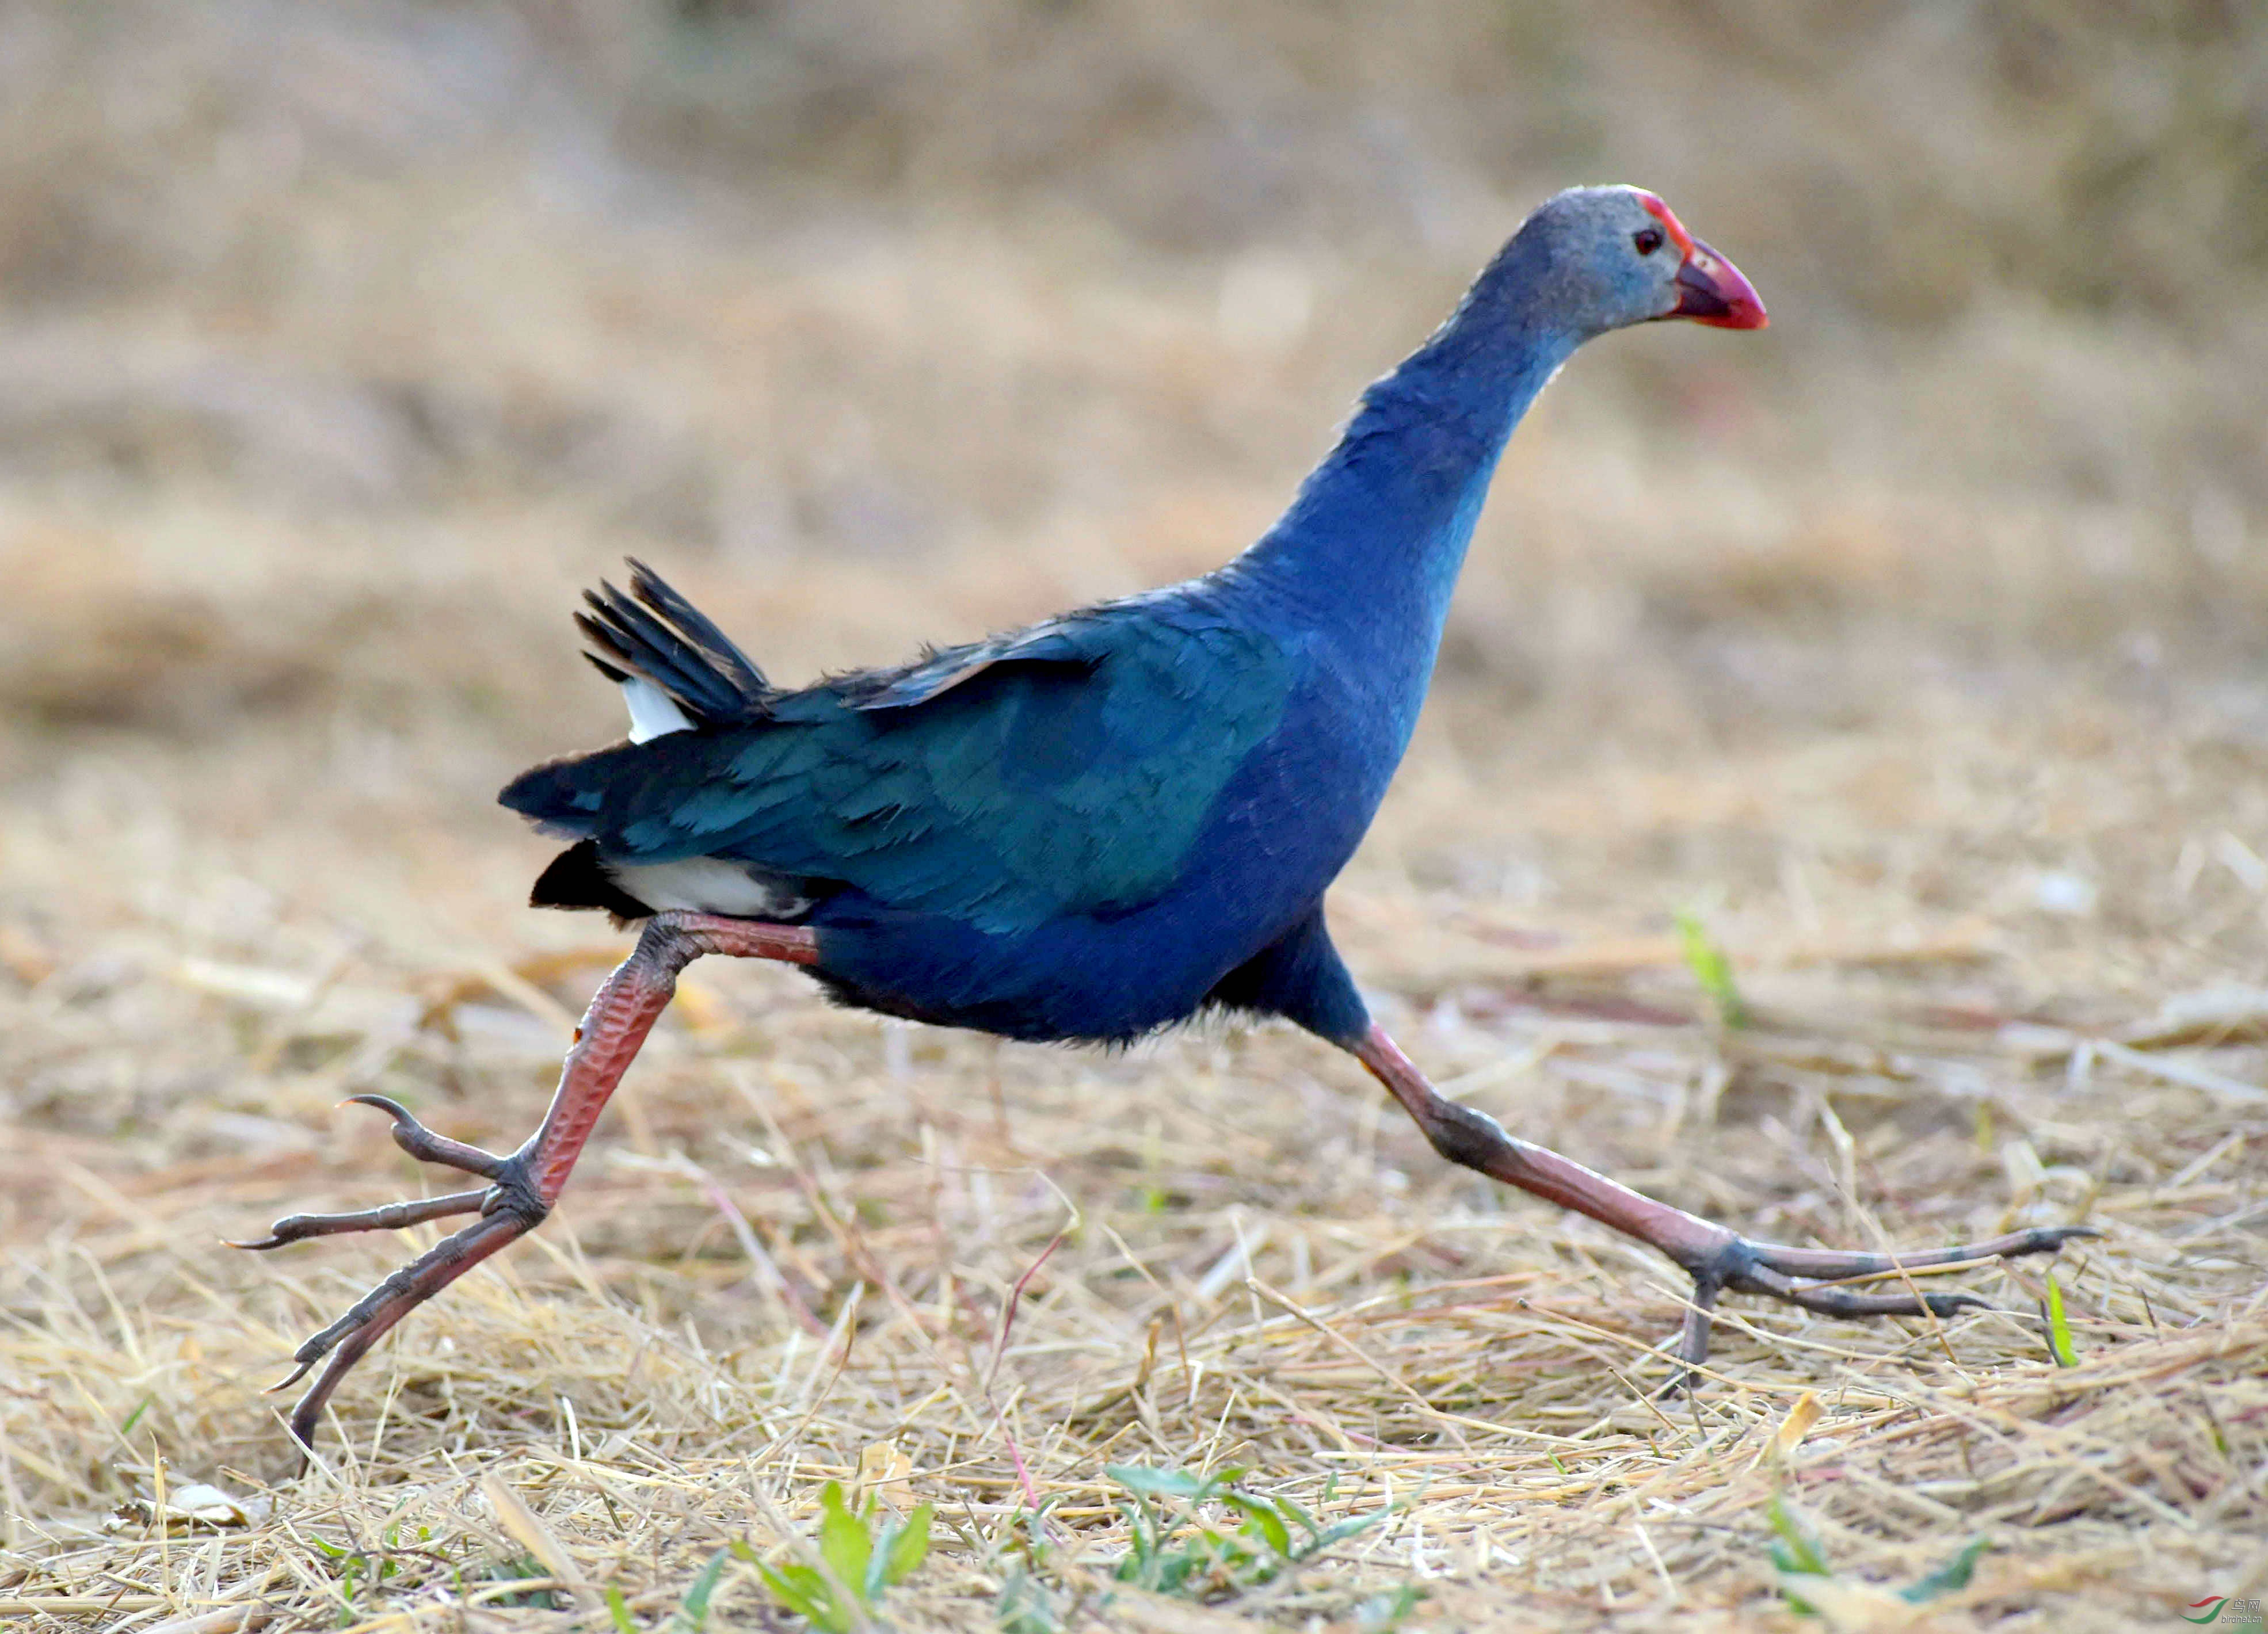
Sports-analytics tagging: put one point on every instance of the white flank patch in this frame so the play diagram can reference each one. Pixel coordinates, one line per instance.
(708, 885)
(653, 712)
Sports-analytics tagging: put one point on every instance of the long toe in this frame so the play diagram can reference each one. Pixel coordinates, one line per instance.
(1837, 1300)
(1836, 1265)
(420, 1143)
(385, 1217)
(1821, 1279)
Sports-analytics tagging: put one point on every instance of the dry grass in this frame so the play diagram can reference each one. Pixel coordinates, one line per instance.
(797, 1247)
(1913, 643)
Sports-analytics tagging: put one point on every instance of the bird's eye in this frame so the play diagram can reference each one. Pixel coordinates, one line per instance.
(1647, 240)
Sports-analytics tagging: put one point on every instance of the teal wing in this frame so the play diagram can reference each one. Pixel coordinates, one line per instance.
(1068, 768)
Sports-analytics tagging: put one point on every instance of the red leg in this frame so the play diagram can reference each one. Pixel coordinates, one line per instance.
(1717, 1259)
(525, 1185)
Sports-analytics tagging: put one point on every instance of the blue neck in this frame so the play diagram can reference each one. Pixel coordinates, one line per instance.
(1368, 553)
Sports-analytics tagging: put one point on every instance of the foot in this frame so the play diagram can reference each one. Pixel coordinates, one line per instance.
(1817, 1279)
(1717, 1259)
(523, 1187)
(509, 1207)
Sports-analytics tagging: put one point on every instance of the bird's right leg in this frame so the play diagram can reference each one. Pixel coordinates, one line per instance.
(523, 1186)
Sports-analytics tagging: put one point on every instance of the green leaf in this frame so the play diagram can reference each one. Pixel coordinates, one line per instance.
(1710, 968)
(869, 1589)
(909, 1547)
(1173, 1570)
(1031, 1524)
(804, 1591)
(1264, 1520)
(844, 1542)
(1797, 1550)
(1161, 1483)
(619, 1609)
(2060, 1345)
(693, 1612)
(1232, 1555)
(1795, 1553)
(135, 1417)
(1141, 1533)
(1954, 1574)
(1788, 1562)
(1796, 1602)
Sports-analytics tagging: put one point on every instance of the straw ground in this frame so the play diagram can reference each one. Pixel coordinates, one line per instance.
(800, 1255)
(1910, 654)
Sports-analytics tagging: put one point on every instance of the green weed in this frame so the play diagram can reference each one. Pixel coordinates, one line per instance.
(2059, 1344)
(1182, 1554)
(862, 1559)
(357, 1570)
(1710, 967)
(1795, 1553)
(692, 1613)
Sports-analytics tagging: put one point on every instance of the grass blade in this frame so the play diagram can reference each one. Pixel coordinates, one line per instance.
(909, 1547)
(1712, 969)
(2060, 1345)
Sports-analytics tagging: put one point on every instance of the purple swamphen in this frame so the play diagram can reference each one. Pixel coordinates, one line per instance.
(1106, 823)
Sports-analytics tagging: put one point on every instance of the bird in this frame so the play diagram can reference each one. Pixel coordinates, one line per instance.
(1105, 824)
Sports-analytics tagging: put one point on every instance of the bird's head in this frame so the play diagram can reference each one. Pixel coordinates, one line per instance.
(1616, 256)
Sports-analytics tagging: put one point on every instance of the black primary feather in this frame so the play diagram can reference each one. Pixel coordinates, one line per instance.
(656, 633)
(650, 588)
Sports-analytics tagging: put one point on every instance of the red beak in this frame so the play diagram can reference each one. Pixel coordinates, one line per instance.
(1709, 289)
(1712, 290)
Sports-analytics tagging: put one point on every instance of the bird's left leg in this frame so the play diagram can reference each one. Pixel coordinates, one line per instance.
(1716, 1258)
(523, 1186)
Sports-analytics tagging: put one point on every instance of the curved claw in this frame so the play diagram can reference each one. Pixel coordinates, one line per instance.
(371, 1317)
(420, 1143)
(428, 1147)
(290, 1379)
(2043, 1239)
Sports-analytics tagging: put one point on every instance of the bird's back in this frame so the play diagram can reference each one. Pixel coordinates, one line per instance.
(962, 825)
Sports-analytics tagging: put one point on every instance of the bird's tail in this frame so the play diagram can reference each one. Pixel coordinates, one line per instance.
(656, 636)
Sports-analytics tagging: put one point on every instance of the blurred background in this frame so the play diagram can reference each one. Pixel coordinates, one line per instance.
(1917, 639)
(341, 345)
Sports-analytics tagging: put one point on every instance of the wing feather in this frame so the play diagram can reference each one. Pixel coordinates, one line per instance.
(1069, 769)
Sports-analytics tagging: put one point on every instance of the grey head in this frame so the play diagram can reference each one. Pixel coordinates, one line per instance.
(1604, 258)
